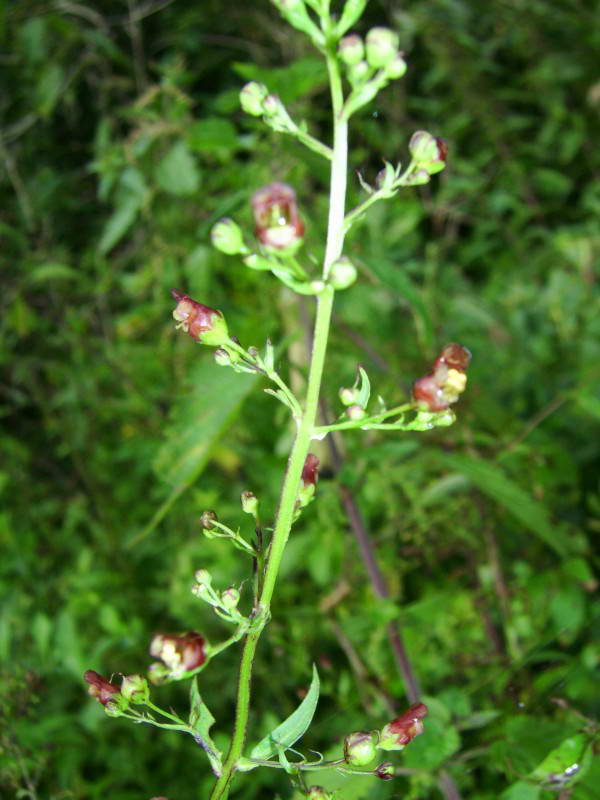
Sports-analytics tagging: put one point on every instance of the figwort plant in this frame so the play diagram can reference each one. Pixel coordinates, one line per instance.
(357, 72)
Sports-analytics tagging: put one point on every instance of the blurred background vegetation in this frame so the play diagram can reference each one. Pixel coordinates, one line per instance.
(121, 144)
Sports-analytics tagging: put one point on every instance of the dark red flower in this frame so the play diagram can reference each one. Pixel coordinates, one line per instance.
(402, 730)
(277, 222)
(310, 471)
(179, 653)
(100, 688)
(202, 323)
(441, 388)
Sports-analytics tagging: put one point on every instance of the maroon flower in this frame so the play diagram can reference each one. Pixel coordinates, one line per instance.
(278, 224)
(440, 389)
(100, 688)
(203, 324)
(179, 653)
(402, 730)
(310, 471)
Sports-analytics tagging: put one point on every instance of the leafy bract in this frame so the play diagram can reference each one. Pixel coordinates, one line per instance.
(201, 721)
(286, 734)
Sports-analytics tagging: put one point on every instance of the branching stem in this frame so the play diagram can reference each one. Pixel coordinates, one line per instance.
(291, 483)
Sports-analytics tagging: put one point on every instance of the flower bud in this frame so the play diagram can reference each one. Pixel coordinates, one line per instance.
(222, 357)
(318, 793)
(135, 688)
(179, 653)
(358, 73)
(310, 471)
(382, 47)
(418, 178)
(206, 520)
(402, 730)
(428, 394)
(99, 687)
(308, 483)
(226, 236)
(351, 49)
(277, 223)
(356, 412)
(249, 503)
(423, 147)
(396, 67)
(271, 105)
(343, 273)
(428, 152)
(385, 771)
(360, 748)
(348, 395)
(252, 97)
(203, 324)
(230, 598)
(203, 577)
(455, 356)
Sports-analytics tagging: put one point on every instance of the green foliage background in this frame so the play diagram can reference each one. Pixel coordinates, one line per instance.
(122, 143)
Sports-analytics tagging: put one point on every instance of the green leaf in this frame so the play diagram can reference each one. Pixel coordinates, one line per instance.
(52, 272)
(177, 172)
(201, 720)
(200, 418)
(286, 734)
(491, 480)
(119, 223)
(364, 392)
(521, 791)
(212, 135)
(566, 764)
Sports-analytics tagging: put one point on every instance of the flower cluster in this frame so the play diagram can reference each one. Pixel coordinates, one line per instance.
(134, 689)
(177, 654)
(442, 387)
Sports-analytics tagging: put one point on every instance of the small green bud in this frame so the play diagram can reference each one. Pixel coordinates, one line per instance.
(358, 73)
(396, 67)
(207, 519)
(272, 106)
(385, 771)
(360, 748)
(348, 395)
(318, 793)
(222, 357)
(382, 47)
(351, 49)
(418, 178)
(158, 673)
(203, 577)
(343, 273)
(135, 689)
(356, 412)
(249, 503)
(230, 598)
(252, 97)
(116, 707)
(423, 147)
(226, 236)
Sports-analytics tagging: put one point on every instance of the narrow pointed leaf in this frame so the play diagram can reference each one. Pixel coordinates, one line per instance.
(286, 734)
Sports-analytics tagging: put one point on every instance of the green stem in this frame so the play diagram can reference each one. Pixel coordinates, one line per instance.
(291, 483)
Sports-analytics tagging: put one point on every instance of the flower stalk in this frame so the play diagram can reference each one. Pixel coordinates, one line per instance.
(300, 448)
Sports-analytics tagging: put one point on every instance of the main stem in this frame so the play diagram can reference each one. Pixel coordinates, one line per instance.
(291, 483)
